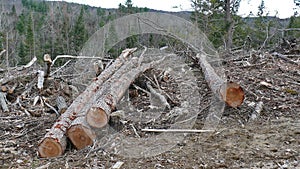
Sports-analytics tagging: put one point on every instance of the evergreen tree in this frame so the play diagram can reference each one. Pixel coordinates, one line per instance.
(29, 40)
(79, 32)
(21, 24)
(22, 54)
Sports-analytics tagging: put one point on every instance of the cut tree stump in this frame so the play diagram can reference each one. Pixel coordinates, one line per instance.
(98, 115)
(54, 142)
(230, 92)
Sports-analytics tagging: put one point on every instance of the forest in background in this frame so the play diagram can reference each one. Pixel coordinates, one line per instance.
(31, 28)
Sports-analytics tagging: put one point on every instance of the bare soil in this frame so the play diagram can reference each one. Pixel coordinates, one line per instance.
(272, 140)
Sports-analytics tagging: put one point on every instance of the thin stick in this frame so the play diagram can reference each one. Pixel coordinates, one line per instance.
(176, 130)
(76, 57)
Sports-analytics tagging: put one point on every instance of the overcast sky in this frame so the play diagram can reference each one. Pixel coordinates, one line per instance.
(283, 8)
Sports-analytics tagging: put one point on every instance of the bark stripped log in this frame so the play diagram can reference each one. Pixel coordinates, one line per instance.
(231, 92)
(54, 142)
(99, 114)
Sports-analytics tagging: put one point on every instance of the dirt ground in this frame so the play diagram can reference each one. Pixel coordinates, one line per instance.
(272, 140)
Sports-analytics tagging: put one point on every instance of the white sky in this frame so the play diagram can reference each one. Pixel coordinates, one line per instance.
(285, 8)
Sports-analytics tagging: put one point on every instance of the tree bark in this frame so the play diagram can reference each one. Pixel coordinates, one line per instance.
(61, 104)
(99, 114)
(231, 92)
(54, 142)
(3, 102)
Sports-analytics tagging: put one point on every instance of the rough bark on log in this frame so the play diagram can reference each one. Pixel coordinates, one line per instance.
(61, 104)
(128, 65)
(98, 115)
(54, 142)
(3, 102)
(85, 130)
(231, 92)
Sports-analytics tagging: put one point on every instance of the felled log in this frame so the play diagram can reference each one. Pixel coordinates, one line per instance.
(99, 114)
(230, 92)
(54, 142)
(79, 132)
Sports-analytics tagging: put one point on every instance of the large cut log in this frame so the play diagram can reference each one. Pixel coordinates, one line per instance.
(79, 132)
(99, 114)
(54, 142)
(230, 92)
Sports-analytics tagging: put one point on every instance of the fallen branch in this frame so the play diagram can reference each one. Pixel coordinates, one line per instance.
(2, 52)
(54, 142)
(176, 130)
(75, 57)
(285, 58)
(3, 102)
(230, 92)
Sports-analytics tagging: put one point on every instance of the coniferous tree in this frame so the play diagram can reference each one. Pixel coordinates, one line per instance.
(29, 40)
(79, 32)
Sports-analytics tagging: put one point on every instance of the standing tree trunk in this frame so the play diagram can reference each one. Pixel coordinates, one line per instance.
(230, 92)
(54, 142)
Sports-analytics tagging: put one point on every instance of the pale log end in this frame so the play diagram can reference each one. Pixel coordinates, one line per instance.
(80, 136)
(97, 117)
(234, 95)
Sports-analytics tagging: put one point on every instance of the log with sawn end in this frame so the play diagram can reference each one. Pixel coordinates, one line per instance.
(53, 144)
(231, 93)
(79, 132)
(98, 115)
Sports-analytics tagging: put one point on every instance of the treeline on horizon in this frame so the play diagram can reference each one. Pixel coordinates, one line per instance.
(31, 28)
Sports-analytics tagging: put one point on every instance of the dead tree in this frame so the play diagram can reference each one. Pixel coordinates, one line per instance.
(54, 142)
(231, 92)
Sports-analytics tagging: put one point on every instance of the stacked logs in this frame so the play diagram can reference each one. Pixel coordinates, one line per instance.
(92, 108)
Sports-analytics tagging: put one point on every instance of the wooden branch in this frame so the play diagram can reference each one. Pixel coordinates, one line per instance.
(285, 58)
(157, 100)
(41, 79)
(2, 52)
(231, 92)
(176, 130)
(98, 115)
(54, 142)
(3, 102)
(33, 60)
(75, 57)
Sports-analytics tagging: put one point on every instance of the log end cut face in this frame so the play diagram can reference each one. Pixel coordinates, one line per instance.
(234, 95)
(80, 136)
(50, 147)
(97, 117)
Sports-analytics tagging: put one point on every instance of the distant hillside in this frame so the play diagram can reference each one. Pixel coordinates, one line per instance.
(33, 28)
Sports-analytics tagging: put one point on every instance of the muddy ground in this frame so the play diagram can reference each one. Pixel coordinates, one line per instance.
(272, 140)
